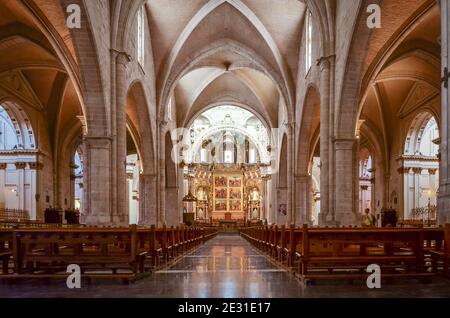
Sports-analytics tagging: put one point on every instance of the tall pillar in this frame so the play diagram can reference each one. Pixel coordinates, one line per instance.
(373, 196)
(303, 200)
(147, 199)
(417, 194)
(35, 167)
(2, 185)
(345, 182)
(290, 174)
(332, 194)
(97, 177)
(20, 167)
(444, 166)
(161, 181)
(270, 202)
(405, 185)
(432, 182)
(120, 208)
(325, 215)
(264, 209)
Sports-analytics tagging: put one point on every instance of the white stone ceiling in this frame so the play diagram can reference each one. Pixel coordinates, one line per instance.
(244, 52)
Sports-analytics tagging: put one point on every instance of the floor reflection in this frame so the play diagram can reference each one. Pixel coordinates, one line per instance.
(226, 267)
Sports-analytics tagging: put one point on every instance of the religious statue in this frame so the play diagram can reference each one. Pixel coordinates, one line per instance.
(255, 214)
(254, 195)
(200, 214)
(200, 194)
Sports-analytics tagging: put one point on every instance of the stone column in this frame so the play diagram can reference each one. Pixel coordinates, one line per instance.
(147, 199)
(2, 184)
(272, 208)
(290, 173)
(161, 181)
(304, 200)
(264, 209)
(345, 182)
(444, 166)
(324, 141)
(417, 194)
(97, 180)
(120, 209)
(35, 212)
(404, 175)
(332, 194)
(432, 181)
(20, 167)
(373, 196)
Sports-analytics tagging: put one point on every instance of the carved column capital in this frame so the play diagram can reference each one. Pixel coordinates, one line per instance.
(3, 166)
(20, 165)
(403, 170)
(122, 58)
(432, 171)
(325, 61)
(417, 170)
(36, 165)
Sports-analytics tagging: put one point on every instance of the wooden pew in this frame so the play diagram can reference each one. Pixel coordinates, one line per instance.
(6, 251)
(441, 252)
(35, 224)
(346, 253)
(335, 253)
(163, 245)
(100, 252)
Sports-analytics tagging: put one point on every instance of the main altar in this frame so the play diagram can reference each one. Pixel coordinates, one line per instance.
(226, 194)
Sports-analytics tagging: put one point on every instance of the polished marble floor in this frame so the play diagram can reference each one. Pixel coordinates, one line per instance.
(225, 267)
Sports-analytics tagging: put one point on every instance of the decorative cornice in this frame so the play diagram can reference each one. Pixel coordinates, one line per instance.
(418, 157)
(19, 152)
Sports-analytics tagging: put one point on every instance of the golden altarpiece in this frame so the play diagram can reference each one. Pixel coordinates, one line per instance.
(230, 192)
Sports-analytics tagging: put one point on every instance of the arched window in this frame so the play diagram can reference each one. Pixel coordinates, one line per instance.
(8, 136)
(252, 156)
(18, 157)
(203, 157)
(78, 177)
(365, 181)
(422, 132)
(308, 44)
(421, 168)
(140, 36)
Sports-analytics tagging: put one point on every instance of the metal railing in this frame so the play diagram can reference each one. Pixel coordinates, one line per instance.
(423, 213)
(14, 214)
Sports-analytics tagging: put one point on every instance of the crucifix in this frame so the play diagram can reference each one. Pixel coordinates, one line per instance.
(446, 77)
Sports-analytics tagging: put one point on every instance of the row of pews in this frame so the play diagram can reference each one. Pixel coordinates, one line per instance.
(126, 253)
(345, 253)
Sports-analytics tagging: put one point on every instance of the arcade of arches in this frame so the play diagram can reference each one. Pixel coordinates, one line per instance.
(164, 112)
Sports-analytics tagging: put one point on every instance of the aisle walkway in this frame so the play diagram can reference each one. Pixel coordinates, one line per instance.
(226, 267)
